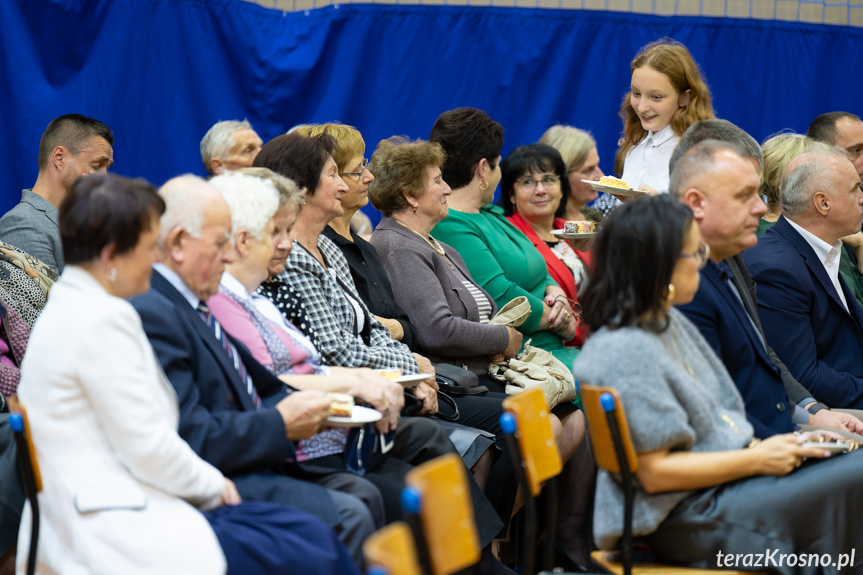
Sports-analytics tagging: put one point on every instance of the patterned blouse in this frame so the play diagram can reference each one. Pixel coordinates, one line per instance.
(314, 301)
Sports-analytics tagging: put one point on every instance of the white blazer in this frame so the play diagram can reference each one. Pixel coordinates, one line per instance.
(120, 486)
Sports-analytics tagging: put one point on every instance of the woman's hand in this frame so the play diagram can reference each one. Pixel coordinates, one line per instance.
(428, 397)
(561, 320)
(581, 245)
(560, 313)
(781, 454)
(394, 326)
(230, 495)
(384, 395)
(513, 344)
(425, 366)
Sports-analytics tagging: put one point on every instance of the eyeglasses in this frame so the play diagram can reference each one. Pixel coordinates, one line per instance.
(530, 183)
(359, 174)
(699, 256)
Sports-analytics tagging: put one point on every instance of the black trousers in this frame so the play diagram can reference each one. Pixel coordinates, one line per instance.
(418, 439)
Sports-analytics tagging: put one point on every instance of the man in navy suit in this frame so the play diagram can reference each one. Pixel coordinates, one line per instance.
(219, 415)
(719, 181)
(810, 317)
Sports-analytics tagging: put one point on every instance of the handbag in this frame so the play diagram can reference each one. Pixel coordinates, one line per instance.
(413, 405)
(533, 366)
(454, 380)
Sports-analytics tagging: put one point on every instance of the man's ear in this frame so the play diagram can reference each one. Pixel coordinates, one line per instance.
(822, 202)
(216, 166)
(695, 199)
(60, 158)
(173, 246)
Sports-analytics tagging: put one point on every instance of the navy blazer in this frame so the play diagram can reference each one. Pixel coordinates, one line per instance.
(722, 320)
(217, 416)
(804, 319)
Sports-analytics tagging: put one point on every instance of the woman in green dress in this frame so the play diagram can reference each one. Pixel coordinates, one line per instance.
(499, 256)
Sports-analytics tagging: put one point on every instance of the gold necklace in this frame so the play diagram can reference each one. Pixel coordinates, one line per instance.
(435, 246)
(674, 351)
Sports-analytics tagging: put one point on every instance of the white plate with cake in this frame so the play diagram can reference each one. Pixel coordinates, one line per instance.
(576, 230)
(344, 413)
(613, 186)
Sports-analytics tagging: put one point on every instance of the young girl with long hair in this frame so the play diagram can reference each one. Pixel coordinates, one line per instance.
(667, 95)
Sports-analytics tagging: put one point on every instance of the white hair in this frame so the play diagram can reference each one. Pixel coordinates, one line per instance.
(253, 202)
(185, 198)
(218, 140)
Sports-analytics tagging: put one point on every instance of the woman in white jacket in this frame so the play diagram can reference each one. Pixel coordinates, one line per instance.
(122, 491)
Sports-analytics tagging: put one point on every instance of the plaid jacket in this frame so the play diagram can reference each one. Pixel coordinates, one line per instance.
(309, 297)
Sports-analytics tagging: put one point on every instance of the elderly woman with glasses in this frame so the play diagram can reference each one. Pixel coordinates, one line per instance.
(705, 489)
(535, 193)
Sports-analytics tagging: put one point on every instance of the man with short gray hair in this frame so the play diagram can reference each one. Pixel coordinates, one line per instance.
(229, 145)
(810, 316)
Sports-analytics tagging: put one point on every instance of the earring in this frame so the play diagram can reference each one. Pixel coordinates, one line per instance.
(483, 185)
(111, 276)
(415, 209)
(670, 296)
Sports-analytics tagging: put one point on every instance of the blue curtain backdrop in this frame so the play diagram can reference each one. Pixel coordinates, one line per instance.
(161, 72)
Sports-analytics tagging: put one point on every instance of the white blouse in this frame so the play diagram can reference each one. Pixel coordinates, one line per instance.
(647, 163)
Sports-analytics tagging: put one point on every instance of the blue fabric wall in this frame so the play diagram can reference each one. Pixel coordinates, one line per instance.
(161, 72)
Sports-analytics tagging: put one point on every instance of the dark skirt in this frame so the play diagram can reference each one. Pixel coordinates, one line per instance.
(266, 539)
(813, 510)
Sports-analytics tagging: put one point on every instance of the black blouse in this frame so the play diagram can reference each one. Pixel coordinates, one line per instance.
(372, 282)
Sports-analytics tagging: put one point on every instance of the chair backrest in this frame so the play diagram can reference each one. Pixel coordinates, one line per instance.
(393, 549)
(535, 437)
(16, 407)
(28, 467)
(446, 513)
(600, 433)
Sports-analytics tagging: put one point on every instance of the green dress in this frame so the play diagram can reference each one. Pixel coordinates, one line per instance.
(505, 264)
(849, 271)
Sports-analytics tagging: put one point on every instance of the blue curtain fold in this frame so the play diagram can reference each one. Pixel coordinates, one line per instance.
(161, 72)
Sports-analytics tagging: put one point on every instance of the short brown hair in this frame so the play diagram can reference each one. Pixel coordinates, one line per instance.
(399, 166)
(71, 131)
(467, 135)
(105, 209)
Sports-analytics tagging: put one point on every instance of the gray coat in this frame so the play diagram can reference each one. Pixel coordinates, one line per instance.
(432, 294)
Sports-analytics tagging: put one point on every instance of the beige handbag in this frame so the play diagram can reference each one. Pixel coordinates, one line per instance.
(533, 367)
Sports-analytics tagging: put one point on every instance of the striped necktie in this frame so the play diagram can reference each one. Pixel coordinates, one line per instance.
(232, 352)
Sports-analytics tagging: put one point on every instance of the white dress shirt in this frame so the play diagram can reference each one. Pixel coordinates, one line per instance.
(647, 163)
(828, 254)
